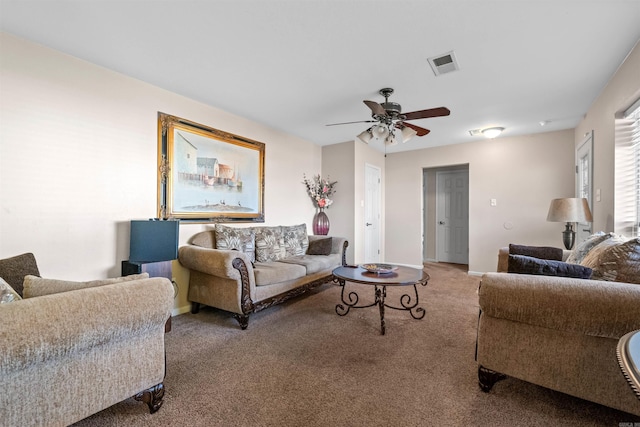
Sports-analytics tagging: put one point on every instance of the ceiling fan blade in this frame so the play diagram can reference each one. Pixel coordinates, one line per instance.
(376, 108)
(348, 123)
(424, 114)
(418, 129)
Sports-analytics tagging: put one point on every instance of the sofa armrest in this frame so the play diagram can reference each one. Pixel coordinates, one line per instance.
(215, 262)
(589, 307)
(503, 259)
(60, 325)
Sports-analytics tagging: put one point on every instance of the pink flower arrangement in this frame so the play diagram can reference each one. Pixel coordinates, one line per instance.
(320, 190)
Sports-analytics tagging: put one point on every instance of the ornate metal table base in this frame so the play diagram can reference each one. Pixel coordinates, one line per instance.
(407, 302)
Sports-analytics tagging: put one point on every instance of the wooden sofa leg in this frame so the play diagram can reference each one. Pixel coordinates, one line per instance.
(152, 397)
(243, 320)
(487, 378)
(195, 307)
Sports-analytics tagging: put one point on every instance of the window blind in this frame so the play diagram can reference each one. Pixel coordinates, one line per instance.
(627, 172)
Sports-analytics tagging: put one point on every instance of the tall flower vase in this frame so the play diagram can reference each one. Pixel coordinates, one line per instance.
(321, 223)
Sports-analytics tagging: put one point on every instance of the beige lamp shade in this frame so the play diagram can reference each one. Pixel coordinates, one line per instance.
(569, 210)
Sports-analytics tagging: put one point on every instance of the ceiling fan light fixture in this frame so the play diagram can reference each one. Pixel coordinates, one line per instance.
(365, 136)
(408, 133)
(380, 131)
(391, 139)
(492, 132)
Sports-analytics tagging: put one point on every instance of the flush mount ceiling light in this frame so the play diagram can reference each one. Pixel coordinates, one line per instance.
(492, 132)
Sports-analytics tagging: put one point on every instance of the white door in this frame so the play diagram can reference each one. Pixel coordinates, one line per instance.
(372, 220)
(584, 182)
(453, 216)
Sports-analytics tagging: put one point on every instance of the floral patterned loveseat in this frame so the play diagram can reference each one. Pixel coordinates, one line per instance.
(245, 270)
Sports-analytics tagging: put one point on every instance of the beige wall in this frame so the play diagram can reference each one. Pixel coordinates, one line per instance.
(78, 159)
(522, 173)
(337, 164)
(620, 92)
(345, 163)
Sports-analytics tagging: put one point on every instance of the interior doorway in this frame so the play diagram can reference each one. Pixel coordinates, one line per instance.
(372, 208)
(446, 214)
(584, 182)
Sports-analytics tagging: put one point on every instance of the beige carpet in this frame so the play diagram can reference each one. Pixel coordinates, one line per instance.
(300, 364)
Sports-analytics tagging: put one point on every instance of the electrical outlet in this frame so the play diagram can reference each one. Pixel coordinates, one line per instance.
(494, 202)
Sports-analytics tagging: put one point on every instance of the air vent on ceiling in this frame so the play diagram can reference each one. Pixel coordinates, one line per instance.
(444, 63)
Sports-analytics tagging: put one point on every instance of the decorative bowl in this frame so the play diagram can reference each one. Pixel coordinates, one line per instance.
(379, 268)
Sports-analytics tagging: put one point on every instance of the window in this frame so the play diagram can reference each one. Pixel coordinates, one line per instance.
(627, 172)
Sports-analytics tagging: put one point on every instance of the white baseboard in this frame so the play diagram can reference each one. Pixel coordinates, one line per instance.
(419, 267)
(180, 310)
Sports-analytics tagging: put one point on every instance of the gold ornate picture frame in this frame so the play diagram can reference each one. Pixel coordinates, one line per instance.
(208, 175)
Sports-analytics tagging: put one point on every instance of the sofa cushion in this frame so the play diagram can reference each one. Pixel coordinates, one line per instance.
(296, 239)
(269, 244)
(14, 269)
(541, 252)
(320, 246)
(38, 286)
(577, 255)
(615, 261)
(268, 273)
(241, 239)
(529, 265)
(315, 263)
(7, 293)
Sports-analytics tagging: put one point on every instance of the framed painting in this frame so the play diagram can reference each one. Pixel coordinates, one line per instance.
(208, 175)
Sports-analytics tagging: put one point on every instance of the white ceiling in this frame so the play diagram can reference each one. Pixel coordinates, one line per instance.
(299, 65)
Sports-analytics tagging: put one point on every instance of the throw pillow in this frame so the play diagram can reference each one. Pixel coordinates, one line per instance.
(38, 286)
(577, 255)
(14, 269)
(615, 261)
(296, 239)
(241, 239)
(320, 246)
(522, 264)
(591, 258)
(542, 252)
(7, 293)
(269, 244)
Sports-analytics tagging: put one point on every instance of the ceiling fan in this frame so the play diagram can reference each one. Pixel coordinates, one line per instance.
(389, 117)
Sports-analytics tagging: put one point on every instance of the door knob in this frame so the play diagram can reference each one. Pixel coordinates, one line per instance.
(368, 224)
(441, 222)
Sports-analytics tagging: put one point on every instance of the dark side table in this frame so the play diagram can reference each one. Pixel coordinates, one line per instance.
(629, 359)
(154, 269)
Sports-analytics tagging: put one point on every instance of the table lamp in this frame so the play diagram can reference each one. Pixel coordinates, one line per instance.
(569, 210)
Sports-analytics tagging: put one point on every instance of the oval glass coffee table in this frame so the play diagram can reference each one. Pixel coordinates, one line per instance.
(389, 275)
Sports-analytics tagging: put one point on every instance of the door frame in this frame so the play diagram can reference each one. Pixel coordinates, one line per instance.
(429, 206)
(584, 229)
